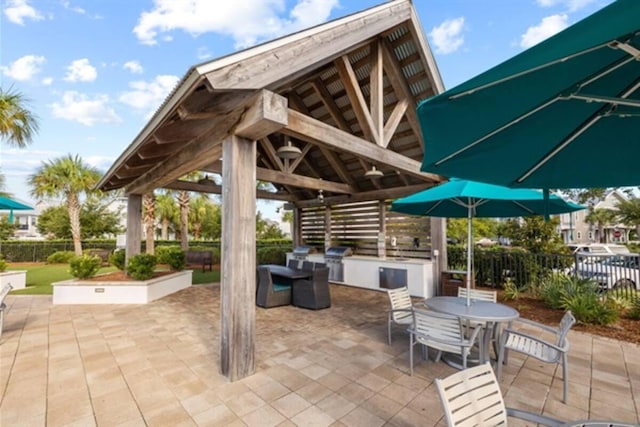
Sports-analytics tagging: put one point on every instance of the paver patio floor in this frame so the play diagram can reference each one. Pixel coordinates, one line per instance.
(157, 365)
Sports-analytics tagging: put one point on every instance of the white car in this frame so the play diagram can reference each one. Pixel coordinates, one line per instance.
(599, 249)
(612, 272)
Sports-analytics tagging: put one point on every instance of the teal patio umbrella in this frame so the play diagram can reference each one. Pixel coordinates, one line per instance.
(460, 198)
(562, 114)
(11, 205)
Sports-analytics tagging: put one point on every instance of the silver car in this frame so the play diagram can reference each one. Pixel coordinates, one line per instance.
(611, 272)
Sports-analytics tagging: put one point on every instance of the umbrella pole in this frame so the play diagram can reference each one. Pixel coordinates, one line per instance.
(469, 247)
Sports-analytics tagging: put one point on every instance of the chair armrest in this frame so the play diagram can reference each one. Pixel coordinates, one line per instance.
(535, 418)
(537, 325)
(398, 310)
(464, 343)
(509, 331)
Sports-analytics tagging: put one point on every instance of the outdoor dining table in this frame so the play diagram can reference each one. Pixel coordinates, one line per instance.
(487, 312)
(289, 274)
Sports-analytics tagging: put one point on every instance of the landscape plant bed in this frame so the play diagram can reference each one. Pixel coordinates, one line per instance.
(118, 288)
(534, 309)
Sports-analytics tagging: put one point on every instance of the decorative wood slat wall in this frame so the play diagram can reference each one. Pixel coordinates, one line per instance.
(357, 225)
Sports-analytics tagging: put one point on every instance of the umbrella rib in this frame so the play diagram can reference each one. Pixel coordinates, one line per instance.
(497, 131)
(531, 70)
(433, 207)
(523, 207)
(559, 148)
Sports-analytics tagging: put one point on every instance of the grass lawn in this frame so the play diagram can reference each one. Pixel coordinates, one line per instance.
(40, 277)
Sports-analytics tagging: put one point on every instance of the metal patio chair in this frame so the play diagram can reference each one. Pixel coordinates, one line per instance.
(539, 348)
(401, 311)
(441, 332)
(472, 397)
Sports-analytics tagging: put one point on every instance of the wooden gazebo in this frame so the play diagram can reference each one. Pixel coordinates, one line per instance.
(344, 93)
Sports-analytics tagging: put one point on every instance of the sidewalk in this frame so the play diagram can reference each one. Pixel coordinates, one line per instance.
(157, 365)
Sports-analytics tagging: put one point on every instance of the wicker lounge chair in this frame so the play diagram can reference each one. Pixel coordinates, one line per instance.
(313, 293)
(270, 294)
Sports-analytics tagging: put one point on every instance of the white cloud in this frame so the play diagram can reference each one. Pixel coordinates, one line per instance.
(549, 26)
(203, 53)
(447, 37)
(47, 81)
(77, 9)
(101, 163)
(81, 70)
(245, 21)
(133, 66)
(571, 5)
(24, 68)
(80, 108)
(147, 96)
(19, 10)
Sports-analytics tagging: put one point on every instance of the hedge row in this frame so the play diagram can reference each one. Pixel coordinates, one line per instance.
(268, 251)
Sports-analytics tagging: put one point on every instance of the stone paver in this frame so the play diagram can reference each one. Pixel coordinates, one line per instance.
(158, 364)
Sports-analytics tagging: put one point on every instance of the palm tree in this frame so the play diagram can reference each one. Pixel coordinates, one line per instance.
(197, 213)
(167, 212)
(629, 213)
(17, 124)
(602, 218)
(149, 205)
(68, 178)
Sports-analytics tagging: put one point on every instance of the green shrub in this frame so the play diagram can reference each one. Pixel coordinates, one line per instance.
(3, 263)
(271, 255)
(176, 259)
(511, 291)
(634, 311)
(588, 308)
(60, 257)
(162, 253)
(141, 266)
(118, 259)
(85, 266)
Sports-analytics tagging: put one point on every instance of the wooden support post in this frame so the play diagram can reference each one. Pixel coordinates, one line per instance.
(438, 243)
(327, 227)
(238, 281)
(296, 227)
(134, 225)
(382, 236)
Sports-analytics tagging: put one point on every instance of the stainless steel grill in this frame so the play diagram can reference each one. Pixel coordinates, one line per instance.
(301, 253)
(333, 257)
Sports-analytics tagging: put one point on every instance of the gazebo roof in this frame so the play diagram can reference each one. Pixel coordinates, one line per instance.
(349, 89)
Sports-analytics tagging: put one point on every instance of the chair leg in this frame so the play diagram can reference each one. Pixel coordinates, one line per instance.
(500, 359)
(411, 354)
(389, 329)
(565, 377)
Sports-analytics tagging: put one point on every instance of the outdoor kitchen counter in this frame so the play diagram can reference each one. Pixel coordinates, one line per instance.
(372, 273)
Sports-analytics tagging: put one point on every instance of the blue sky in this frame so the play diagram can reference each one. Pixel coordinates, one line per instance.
(95, 70)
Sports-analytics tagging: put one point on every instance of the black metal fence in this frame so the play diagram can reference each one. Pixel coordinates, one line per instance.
(492, 268)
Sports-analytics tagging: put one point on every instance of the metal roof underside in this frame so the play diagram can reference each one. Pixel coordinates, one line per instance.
(311, 70)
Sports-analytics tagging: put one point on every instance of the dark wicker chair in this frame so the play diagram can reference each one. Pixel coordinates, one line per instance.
(293, 263)
(314, 292)
(307, 265)
(270, 294)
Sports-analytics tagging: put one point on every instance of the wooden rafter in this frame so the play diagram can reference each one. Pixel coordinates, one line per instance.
(376, 88)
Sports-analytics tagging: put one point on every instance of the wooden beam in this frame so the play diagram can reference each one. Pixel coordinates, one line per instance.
(292, 165)
(383, 194)
(238, 247)
(291, 179)
(270, 152)
(206, 148)
(134, 225)
(217, 189)
(266, 114)
(330, 104)
(376, 89)
(284, 60)
(354, 93)
(316, 132)
(395, 76)
(393, 121)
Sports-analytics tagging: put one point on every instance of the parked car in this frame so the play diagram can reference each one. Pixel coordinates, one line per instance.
(599, 248)
(611, 272)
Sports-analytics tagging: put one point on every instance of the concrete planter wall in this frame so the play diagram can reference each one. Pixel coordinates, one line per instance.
(77, 291)
(17, 279)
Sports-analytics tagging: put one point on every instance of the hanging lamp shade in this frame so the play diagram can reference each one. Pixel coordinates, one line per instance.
(373, 173)
(288, 151)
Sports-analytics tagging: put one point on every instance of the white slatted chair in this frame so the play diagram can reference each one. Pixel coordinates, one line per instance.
(3, 293)
(401, 311)
(441, 332)
(472, 397)
(534, 346)
(479, 295)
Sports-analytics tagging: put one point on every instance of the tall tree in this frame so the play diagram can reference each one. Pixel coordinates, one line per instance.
(96, 220)
(68, 178)
(184, 197)
(18, 125)
(149, 221)
(601, 218)
(629, 213)
(534, 234)
(167, 212)
(197, 214)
